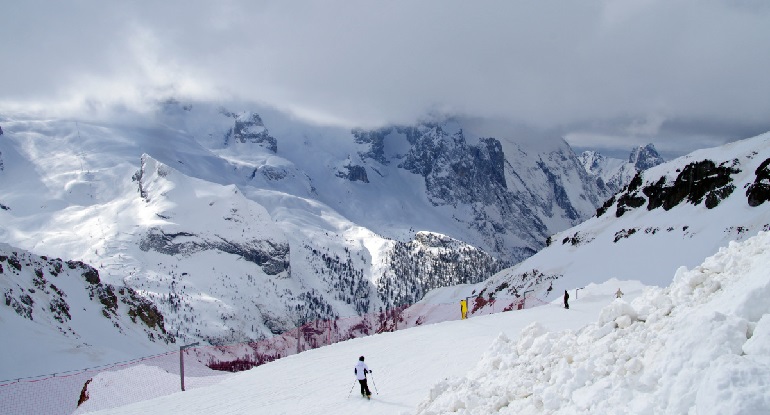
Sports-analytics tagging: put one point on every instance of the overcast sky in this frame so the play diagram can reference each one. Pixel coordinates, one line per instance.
(604, 74)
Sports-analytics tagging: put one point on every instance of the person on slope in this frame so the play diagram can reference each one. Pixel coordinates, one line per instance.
(361, 370)
(566, 300)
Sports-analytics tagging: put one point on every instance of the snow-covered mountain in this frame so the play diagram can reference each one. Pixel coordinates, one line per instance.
(699, 345)
(495, 188)
(645, 157)
(51, 304)
(240, 225)
(230, 238)
(613, 174)
(670, 215)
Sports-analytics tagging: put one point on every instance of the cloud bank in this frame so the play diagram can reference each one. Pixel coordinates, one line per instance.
(593, 71)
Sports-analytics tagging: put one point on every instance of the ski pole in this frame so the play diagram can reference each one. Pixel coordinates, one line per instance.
(351, 388)
(373, 384)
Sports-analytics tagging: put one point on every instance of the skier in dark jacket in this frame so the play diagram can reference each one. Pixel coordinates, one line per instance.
(566, 299)
(361, 370)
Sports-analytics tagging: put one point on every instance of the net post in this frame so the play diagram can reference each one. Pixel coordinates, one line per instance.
(181, 361)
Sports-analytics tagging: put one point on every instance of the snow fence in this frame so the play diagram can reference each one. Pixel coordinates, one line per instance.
(122, 383)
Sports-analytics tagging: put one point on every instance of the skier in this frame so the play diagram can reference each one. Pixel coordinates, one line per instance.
(566, 299)
(618, 293)
(361, 370)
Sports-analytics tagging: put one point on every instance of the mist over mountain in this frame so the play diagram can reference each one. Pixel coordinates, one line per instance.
(645, 157)
(666, 217)
(238, 222)
(612, 174)
(245, 175)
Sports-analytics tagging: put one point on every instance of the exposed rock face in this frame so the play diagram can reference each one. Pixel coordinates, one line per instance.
(273, 257)
(138, 177)
(698, 182)
(454, 170)
(614, 174)
(759, 191)
(594, 162)
(508, 196)
(354, 173)
(249, 128)
(29, 285)
(645, 157)
(457, 173)
(375, 140)
(271, 173)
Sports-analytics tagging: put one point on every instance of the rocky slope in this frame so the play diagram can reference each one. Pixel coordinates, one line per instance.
(670, 215)
(240, 225)
(614, 174)
(50, 304)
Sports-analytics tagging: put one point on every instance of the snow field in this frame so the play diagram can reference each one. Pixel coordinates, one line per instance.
(405, 365)
(696, 347)
(658, 373)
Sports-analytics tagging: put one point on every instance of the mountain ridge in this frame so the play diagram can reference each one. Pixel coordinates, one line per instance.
(670, 215)
(613, 174)
(236, 239)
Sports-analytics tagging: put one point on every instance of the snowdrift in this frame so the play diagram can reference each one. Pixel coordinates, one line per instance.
(698, 346)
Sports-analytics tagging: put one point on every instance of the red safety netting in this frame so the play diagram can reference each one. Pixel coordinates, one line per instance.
(145, 378)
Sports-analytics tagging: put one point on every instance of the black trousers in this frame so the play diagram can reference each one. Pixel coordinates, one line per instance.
(364, 387)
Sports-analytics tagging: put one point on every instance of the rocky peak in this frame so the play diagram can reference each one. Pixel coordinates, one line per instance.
(249, 128)
(614, 174)
(455, 170)
(645, 157)
(375, 141)
(495, 184)
(592, 161)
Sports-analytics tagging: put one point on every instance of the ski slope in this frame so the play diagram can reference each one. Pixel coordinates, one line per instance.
(405, 365)
(698, 346)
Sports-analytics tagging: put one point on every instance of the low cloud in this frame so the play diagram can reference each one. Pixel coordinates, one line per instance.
(556, 65)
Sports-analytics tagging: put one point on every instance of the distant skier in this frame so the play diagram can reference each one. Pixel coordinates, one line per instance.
(566, 299)
(361, 370)
(618, 293)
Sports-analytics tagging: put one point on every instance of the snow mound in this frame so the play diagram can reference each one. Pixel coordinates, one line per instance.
(699, 346)
(157, 382)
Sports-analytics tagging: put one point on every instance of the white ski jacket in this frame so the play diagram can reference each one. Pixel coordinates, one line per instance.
(361, 370)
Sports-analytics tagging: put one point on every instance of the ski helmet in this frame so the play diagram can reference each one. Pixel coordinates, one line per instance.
(361, 358)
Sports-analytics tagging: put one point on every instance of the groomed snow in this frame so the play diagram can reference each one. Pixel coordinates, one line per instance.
(698, 346)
